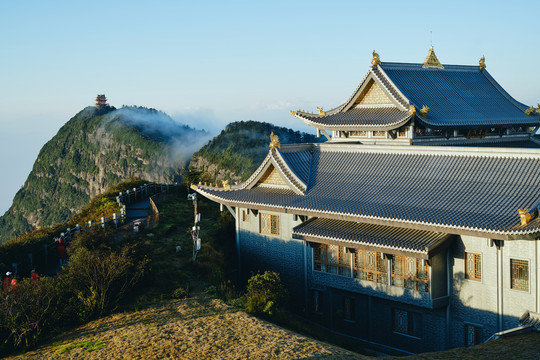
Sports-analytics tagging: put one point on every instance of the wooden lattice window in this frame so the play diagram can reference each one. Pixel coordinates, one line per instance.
(269, 224)
(410, 273)
(473, 334)
(245, 215)
(402, 132)
(360, 133)
(519, 273)
(473, 266)
(379, 133)
(332, 259)
(371, 266)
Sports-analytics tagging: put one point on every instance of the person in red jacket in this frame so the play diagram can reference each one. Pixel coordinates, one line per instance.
(62, 254)
(7, 282)
(34, 276)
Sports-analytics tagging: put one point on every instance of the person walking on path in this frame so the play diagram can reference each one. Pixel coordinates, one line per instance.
(62, 254)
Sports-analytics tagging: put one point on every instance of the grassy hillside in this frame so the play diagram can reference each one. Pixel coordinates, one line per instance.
(240, 148)
(94, 150)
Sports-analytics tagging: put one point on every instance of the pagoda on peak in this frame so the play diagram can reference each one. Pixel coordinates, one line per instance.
(101, 101)
(426, 103)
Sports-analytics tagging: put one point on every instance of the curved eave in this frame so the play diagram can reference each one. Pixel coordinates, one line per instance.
(530, 231)
(528, 121)
(318, 122)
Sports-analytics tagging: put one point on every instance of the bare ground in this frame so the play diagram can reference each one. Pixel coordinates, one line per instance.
(196, 328)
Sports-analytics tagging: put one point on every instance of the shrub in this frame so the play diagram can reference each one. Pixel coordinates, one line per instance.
(181, 292)
(264, 293)
(30, 310)
(101, 279)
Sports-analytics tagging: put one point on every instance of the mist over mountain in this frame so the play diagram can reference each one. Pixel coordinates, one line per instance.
(94, 150)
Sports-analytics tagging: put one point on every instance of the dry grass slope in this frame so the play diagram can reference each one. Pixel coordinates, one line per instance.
(196, 328)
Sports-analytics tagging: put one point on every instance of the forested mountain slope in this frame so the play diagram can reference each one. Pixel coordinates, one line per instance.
(239, 149)
(95, 149)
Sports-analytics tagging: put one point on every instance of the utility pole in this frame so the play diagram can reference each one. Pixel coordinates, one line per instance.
(196, 228)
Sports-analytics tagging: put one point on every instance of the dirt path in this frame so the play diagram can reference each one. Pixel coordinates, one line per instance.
(196, 328)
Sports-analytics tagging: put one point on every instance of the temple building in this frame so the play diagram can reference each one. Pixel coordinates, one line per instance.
(405, 248)
(101, 101)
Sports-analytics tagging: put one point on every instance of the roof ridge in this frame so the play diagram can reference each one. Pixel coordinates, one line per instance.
(467, 151)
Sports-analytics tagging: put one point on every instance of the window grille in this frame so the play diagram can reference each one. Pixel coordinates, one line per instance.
(316, 301)
(401, 321)
(519, 273)
(407, 322)
(269, 224)
(472, 335)
(402, 132)
(358, 133)
(379, 133)
(371, 266)
(410, 273)
(473, 266)
(245, 215)
(332, 259)
(348, 308)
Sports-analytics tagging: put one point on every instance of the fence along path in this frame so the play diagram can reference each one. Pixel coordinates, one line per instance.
(124, 199)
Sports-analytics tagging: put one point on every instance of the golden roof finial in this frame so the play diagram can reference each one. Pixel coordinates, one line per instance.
(412, 110)
(274, 141)
(531, 110)
(482, 62)
(376, 60)
(431, 61)
(321, 112)
(424, 111)
(524, 215)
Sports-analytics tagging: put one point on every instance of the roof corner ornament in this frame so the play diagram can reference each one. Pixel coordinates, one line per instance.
(293, 113)
(226, 185)
(321, 112)
(431, 61)
(376, 59)
(274, 141)
(482, 62)
(423, 112)
(412, 110)
(525, 216)
(531, 110)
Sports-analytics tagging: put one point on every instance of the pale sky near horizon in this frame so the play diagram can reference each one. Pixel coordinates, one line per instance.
(208, 63)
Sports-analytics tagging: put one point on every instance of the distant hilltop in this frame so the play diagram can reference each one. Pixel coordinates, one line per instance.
(97, 148)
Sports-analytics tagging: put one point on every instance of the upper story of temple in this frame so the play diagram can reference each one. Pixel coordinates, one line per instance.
(428, 104)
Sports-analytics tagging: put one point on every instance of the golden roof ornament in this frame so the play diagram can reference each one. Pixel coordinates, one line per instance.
(321, 112)
(431, 61)
(525, 216)
(226, 185)
(274, 141)
(412, 110)
(530, 111)
(482, 62)
(424, 111)
(376, 60)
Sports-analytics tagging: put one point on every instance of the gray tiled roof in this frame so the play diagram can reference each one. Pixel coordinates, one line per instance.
(458, 96)
(366, 118)
(474, 189)
(360, 235)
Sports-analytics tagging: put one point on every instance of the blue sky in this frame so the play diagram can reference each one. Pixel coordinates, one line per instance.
(208, 63)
